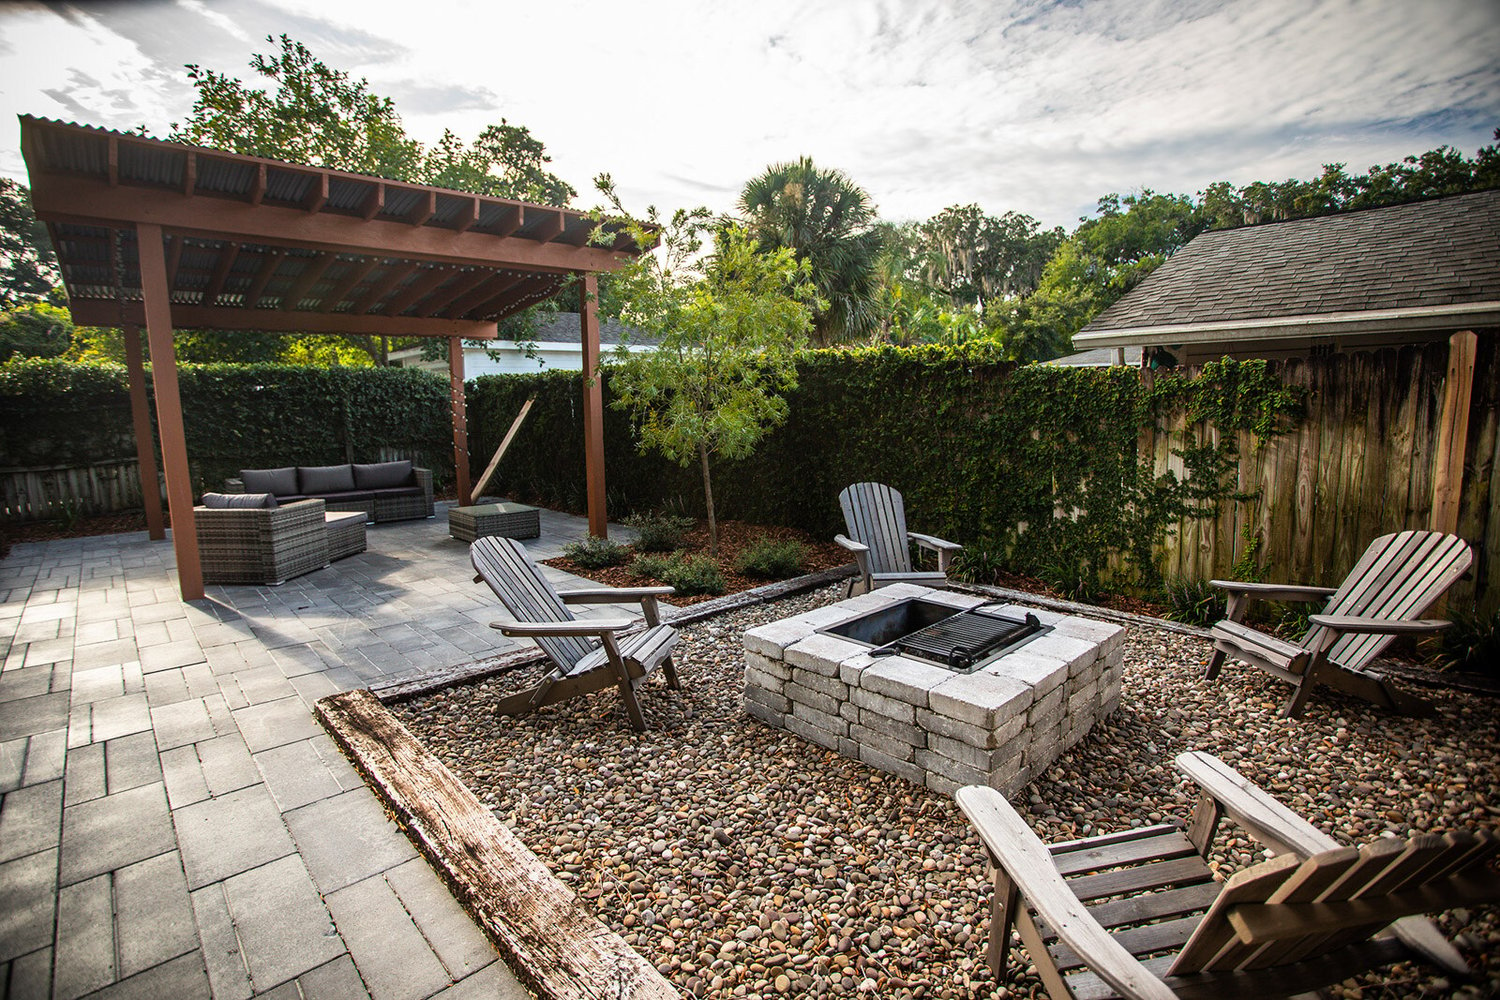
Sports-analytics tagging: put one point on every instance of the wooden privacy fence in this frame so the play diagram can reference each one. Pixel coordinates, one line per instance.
(1361, 464)
(42, 493)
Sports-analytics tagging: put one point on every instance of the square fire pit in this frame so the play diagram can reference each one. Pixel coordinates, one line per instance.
(1000, 718)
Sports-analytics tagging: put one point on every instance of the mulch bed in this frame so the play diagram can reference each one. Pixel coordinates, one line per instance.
(13, 533)
(734, 536)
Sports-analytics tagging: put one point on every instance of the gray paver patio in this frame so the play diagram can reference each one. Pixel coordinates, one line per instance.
(173, 822)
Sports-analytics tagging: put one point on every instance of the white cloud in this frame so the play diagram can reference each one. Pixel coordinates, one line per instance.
(1014, 104)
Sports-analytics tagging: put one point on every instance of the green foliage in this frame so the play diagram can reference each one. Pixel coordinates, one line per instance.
(597, 553)
(690, 575)
(771, 558)
(827, 221)
(1470, 645)
(35, 330)
(716, 382)
(972, 258)
(658, 530)
(236, 416)
(1194, 602)
(651, 567)
(980, 561)
(1031, 468)
(28, 264)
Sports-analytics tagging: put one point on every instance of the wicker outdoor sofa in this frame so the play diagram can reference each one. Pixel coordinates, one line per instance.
(382, 491)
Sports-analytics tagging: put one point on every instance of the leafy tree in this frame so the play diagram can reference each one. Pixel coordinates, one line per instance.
(730, 324)
(28, 264)
(828, 222)
(35, 330)
(972, 257)
(321, 116)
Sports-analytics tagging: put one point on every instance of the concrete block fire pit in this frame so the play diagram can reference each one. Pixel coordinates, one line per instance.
(999, 721)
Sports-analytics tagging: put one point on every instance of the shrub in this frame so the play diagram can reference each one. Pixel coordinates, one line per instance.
(658, 531)
(1470, 645)
(771, 559)
(596, 553)
(1194, 602)
(653, 567)
(695, 575)
(979, 562)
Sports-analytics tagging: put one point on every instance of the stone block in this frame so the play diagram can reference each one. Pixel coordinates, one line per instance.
(819, 653)
(899, 749)
(771, 718)
(812, 733)
(890, 765)
(981, 699)
(773, 700)
(1032, 667)
(774, 666)
(1046, 710)
(826, 684)
(829, 721)
(852, 668)
(983, 760)
(906, 732)
(773, 639)
(849, 712)
(1108, 637)
(800, 695)
(765, 681)
(901, 711)
(951, 769)
(904, 679)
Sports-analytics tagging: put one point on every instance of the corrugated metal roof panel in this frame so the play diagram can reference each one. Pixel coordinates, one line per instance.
(347, 195)
(156, 166)
(399, 201)
(219, 176)
(287, 185)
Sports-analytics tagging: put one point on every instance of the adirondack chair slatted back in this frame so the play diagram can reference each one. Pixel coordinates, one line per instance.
(1288, 910)
(876, 516)
(526, 594)
(1398, 577)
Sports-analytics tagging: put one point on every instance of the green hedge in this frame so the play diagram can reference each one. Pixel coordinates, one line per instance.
(236, 416)
(1034, 468)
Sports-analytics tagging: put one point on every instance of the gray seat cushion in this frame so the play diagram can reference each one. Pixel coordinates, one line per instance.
(232, 501)
(319, 480)
(383, 475)
(281, 482)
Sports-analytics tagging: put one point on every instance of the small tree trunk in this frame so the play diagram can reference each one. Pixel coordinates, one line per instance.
(708, 500)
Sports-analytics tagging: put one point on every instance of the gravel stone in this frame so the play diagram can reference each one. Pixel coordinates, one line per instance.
(744, 861)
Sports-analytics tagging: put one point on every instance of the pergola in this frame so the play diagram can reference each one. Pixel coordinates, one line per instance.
(164, 235)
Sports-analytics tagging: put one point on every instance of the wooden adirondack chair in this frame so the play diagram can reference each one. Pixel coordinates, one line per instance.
(1397, 579)
(587, 656)
(1138, 914)
(876, 518)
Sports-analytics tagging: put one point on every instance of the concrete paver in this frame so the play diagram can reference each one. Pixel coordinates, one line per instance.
(173, 822)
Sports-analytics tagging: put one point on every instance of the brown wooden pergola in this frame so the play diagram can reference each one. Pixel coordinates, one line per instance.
(163, 235)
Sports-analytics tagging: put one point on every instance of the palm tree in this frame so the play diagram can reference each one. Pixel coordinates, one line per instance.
(827, 220)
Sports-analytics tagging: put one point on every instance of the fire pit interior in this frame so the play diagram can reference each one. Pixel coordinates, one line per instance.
(961, 640)
(845, 677)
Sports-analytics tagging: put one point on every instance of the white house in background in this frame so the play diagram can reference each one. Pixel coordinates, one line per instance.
(558, 347)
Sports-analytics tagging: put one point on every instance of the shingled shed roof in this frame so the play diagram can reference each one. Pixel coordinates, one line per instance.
(1429, 265)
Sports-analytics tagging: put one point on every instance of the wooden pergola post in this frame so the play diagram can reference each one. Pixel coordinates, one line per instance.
(460, 419)
(593, 405)
(1453, 432)
(158, 308)
(145, 441)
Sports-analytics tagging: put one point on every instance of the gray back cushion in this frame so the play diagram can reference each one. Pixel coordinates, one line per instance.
(325, 478)
(383, 475)
(282, 482)
(230, 501)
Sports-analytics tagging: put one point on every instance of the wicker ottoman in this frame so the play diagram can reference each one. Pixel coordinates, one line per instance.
(346, 533)
(510, 520)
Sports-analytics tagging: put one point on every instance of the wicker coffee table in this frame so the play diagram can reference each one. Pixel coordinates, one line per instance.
(346, 533)
(510, 520)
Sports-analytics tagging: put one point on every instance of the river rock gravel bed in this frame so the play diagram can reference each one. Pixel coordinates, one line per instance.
(745, 862)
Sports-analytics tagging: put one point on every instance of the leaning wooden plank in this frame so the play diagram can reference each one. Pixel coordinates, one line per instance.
(561, 950)
(510, 435)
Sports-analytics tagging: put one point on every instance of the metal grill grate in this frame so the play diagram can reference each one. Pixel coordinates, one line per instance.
(961, 641)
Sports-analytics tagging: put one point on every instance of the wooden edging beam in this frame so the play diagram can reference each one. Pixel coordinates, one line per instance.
(550, 939)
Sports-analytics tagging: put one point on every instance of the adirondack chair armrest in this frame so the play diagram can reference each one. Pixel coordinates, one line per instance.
(933, 543)
(1016, 849)
(598, 627)
(1274, 591)
(613, 595)
(1257, 812)
(1378, 626)
(858, 548)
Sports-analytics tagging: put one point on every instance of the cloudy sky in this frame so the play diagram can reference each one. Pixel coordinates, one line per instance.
(1038, 107)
